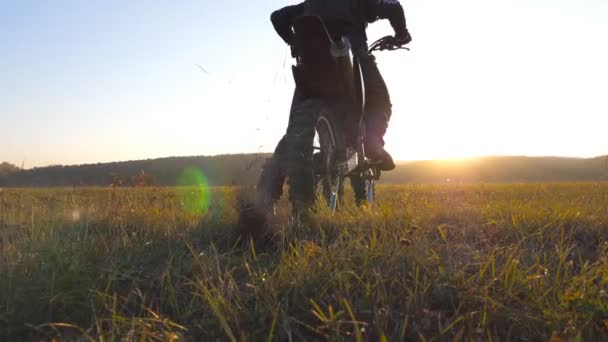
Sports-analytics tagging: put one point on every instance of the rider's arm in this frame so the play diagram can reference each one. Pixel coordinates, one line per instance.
(391, 10)
(283, 20)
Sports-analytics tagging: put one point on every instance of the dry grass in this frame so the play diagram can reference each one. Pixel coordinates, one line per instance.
(477, 262)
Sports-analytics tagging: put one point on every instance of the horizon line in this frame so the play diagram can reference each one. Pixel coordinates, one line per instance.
(399, 161)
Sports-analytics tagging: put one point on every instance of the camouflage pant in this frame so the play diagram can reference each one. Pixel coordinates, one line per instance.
(378, 107)
(292, 157)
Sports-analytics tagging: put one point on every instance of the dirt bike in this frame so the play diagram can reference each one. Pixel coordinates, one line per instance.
(327, 68)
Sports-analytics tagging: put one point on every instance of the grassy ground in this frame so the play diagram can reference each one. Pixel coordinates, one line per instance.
(479, 262)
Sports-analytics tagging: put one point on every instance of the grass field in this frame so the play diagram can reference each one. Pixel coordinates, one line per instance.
(458, 262)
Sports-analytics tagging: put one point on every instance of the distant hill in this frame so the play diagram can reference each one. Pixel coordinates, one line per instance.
(243, 169)
(237, 169)
(501, 169)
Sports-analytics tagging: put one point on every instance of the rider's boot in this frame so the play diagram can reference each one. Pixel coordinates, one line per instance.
(374, 142)
(270, 184)
(376, 152)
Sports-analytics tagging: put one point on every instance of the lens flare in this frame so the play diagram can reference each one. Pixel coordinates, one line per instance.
(75, 215)
(193, 191)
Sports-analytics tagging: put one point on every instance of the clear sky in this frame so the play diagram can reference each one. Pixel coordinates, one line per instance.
(92, 81)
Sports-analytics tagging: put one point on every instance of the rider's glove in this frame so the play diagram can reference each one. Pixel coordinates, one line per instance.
(294, 51)
(402, 37)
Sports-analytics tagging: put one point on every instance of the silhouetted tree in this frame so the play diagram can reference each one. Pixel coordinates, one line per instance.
(7, 168)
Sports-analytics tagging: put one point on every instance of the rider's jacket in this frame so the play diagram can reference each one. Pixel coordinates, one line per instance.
(363, 12)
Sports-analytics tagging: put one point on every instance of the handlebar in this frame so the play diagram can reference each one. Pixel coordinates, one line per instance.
(386, 44)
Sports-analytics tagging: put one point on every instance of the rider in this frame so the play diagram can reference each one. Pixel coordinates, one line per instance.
(378, 105)
(293, 154)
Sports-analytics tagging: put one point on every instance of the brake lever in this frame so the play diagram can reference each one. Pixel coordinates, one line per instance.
(391, 48)
(387, 46)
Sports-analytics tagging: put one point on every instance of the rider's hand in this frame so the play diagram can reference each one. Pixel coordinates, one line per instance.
(294, 52)
(402, 38)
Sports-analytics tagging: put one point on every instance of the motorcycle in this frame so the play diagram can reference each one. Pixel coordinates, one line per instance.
(326, 68)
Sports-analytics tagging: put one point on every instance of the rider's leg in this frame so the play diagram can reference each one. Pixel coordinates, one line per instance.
(274, 170)
(377, 109)
(272, 178)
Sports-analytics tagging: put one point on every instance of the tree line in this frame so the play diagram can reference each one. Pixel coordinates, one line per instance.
(244, 169)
